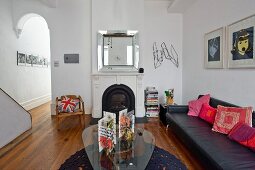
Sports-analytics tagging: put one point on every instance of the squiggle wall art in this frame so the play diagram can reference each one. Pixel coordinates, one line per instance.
(171, 55)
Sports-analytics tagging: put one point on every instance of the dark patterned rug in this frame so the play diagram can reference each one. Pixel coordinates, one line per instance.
(160, 159)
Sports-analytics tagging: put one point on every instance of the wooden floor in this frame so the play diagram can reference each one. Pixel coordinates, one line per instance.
(47, 148)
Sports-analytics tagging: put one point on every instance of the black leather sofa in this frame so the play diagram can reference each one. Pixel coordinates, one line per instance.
(214, 150)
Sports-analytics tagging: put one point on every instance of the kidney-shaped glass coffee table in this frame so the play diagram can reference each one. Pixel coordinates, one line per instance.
(127, 155)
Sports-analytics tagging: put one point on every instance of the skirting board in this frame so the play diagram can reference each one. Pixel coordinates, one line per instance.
(14, 142)
(28, 105)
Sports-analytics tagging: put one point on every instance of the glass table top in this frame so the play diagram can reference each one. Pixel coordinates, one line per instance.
(127, 155)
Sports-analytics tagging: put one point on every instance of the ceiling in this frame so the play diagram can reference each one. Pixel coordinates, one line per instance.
(174, 6)
(177, 6)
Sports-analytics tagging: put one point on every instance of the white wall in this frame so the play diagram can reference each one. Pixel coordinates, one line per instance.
(233, 85)
(73, 28)
(70, 29)
(161, 26)
(30, 86)
(70, 32)
(14, 120)
(34, 39)
(116, 15)
(154, 24)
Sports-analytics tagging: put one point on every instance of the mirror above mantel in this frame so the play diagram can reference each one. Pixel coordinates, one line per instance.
(118, 50)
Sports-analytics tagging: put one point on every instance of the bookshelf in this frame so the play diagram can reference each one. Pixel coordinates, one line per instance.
(151, 102)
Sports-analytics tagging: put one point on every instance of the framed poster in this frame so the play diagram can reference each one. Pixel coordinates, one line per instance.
(21, 59)
(214, 46)
(241, 43)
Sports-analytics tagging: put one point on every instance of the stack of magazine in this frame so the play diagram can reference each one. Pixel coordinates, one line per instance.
(107, 129)
(107, 132)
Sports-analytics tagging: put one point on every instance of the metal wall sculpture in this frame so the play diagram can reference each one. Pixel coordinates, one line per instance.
(171, 55)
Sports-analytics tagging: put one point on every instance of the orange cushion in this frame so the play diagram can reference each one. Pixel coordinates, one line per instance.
(208, 113)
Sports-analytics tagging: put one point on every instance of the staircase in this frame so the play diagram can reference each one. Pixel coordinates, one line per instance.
(15, 121)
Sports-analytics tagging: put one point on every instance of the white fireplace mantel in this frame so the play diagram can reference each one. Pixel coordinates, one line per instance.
(101, 81)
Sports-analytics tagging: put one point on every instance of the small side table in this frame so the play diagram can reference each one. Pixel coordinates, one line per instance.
(162, 113)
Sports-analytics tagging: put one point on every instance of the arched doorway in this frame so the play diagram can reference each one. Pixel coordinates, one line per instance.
(35, 74)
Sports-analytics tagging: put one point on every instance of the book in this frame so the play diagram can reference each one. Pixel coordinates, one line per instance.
(126, 125)
(107, 132)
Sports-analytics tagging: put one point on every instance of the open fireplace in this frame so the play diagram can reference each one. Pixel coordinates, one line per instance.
(118, 97)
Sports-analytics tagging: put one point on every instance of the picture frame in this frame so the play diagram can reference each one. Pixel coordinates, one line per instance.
(29, 58)
(21, 59)
(35, 61)
(45, 62)
(241, 43)
(214, 48)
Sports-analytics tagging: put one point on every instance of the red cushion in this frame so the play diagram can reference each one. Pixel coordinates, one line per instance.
(227, 117)
(207, 113)
(243, 134)
(67, 105)
(196, 105)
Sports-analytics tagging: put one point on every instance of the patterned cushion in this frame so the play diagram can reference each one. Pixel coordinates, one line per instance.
(77, 107)
(227, 117)
(67, 105)
(196, 105)
(208, 113)
(243, 134)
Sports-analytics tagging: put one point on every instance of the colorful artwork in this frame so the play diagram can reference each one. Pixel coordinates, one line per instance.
(242, 44)
(126, 135)
(126, 125)
(107, 132)
(106, 160)
(126, 150)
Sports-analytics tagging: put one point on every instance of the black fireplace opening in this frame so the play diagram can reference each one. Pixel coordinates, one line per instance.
(118, 97)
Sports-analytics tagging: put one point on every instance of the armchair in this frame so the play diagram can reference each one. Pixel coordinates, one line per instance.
(79, 109)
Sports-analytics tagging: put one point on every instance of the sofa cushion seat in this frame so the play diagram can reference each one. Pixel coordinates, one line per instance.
(216, 147)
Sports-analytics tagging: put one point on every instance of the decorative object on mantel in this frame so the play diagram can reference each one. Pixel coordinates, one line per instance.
(171, 55)
(214, 46)
(31, 60)
(118, 50)
(141, 70)
(241, 43)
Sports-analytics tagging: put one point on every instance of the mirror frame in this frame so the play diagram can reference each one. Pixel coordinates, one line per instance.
(117, 33)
